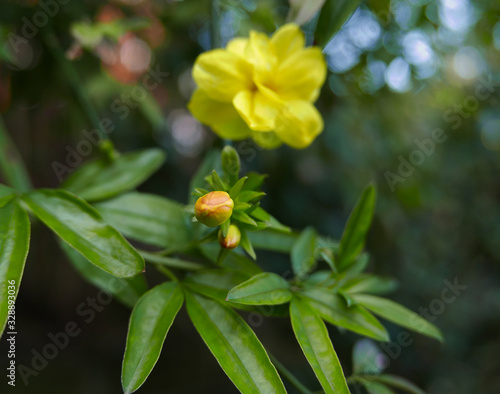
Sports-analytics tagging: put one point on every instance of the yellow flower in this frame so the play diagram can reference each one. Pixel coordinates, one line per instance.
(261, 87)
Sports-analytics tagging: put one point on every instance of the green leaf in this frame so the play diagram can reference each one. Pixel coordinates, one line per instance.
(262, 289)
(399, 383)
(243, 218)
(128, 290)
(315, 342)
(366, 358)
(234, 345)
(147, 218)
(273, 240)
(211, 162)
(217, 182)
(399, 315)
(216, 283)
(332, 17)
(249, 196)
(14, 246)
(225, 227)
(334, 310)
(81, 226)
(6, 194)
(171, 261)
(303, 252)
(370, 284)
(260, 214)
(101, 179)
(353, 238)
(246, 244)
(374, 387)
(236, 189)
(149, 324)
(254, 181)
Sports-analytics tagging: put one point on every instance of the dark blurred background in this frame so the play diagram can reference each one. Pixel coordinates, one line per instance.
(399, 70)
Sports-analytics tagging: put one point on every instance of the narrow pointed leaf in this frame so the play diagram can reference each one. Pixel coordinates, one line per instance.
(334, 310)
(374, 387)
(398, 314)
(148, 218)
(303, 259)
(150, 321)
(126, 290)
(246, 244)
(244, 218)
(171, 261)
(332, 17)
(353, 238)
(235, 190)
(254, 181)
(217, 182)
(100, 179)
(370, 284)
(315, 342)
(399, 383)
(262, 289)
(14, 245)
(259, 214)
(81, 226)
(234, 345)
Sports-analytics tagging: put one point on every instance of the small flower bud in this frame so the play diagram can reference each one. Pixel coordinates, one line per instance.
(214, 208)
(232, 239)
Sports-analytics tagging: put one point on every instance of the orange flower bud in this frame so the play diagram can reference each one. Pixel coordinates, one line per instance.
(232, 239)
(214, 208)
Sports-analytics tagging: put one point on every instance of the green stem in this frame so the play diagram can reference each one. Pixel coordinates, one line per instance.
(75, 83)
(289, 376)
(11, 163)
(167, 272)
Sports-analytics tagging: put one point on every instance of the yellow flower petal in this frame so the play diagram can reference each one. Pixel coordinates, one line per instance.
(287, 40)
(222, 74)
(260, 53)
(301, 75)
(221, 117)
(237, 45)
(299, 124)
(266, 139)
(258, 110)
